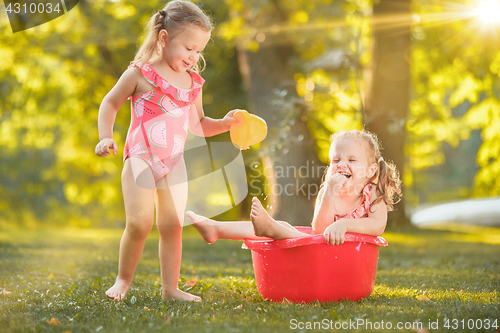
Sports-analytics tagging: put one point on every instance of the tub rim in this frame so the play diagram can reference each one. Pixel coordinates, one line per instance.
(269, 244)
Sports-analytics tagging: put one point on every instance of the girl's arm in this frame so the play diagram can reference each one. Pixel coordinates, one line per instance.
(110, 105)
(373, 225)
(201, 125)
(324, 209)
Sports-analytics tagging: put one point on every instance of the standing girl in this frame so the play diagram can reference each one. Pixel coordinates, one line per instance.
(165, 89)
(359, 189)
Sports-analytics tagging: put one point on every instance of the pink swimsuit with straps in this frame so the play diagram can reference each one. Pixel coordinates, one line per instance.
(158, 129)
(362, 209)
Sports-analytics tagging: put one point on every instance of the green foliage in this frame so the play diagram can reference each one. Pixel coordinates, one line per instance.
(331, 80)
(456, 85)
(451, 272)
(52, 81)
(329, 84)
(54, 76)
(455, 68)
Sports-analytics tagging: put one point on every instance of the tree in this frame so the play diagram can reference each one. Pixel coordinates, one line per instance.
(304, 64)
(267, 54)
(388, 95)
(52, 80)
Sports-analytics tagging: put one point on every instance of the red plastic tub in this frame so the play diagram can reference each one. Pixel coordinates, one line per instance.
(307, 269)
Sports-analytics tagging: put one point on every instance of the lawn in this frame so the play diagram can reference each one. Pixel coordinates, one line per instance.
(443, 279)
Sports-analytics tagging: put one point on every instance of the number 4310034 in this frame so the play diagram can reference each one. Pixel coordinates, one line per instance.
(471, 324)
(32, 8)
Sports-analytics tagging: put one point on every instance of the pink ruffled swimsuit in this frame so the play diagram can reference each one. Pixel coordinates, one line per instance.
(158, 129)
(362, 209)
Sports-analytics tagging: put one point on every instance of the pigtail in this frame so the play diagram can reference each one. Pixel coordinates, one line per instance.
(388, 184)
(149, 50)
(197, 67)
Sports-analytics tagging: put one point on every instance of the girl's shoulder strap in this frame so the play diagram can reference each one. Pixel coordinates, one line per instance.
(146, 71)
(184, 95)
(135, 65)
(197, 80)
(367, 190)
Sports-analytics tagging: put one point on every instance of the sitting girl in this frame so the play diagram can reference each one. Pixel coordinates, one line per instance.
(359, 189)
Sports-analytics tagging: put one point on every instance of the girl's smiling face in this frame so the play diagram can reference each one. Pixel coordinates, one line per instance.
(351, 159)
(183, 50)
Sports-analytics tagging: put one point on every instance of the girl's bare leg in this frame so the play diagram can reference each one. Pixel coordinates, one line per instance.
(171, 203)
(212, 230)
(139, 209)
(265, 226)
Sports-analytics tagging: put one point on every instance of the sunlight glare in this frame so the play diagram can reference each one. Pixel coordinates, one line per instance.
(489, 11)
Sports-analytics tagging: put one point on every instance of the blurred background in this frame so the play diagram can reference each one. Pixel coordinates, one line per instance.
(424, 75)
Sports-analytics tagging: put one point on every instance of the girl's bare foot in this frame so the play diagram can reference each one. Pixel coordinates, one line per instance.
(205, 227)
(263, 224)
(119, 290)
(179, 295)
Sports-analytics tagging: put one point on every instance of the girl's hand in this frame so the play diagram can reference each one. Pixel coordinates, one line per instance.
(228, 119)
(335, 232)
(103, 148)
(335, 182)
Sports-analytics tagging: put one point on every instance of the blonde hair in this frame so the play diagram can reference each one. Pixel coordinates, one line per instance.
(175, 17)
(386, 177)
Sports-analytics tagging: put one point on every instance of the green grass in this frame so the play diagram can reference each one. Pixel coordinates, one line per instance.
(439, 274)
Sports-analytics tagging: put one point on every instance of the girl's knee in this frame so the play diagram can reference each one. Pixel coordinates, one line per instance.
(169, 226)
(170, 219)
(139, 226)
